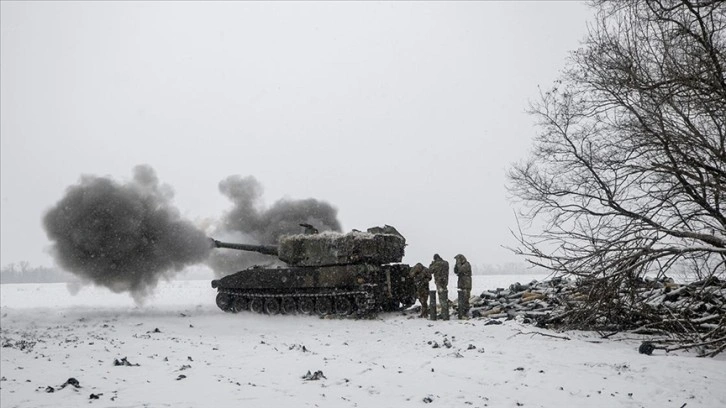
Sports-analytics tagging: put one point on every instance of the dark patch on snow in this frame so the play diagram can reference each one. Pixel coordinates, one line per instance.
(314, 376)
(124, 362)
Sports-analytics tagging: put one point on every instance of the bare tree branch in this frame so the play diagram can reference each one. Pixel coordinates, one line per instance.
(628, 172)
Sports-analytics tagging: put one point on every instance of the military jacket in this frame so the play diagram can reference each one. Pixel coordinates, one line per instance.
(463, 271)
(440, 270)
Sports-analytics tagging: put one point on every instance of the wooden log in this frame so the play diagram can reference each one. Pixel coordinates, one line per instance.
(533, 295)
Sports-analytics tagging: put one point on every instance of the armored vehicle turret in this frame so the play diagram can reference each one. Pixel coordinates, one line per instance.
(358, 273)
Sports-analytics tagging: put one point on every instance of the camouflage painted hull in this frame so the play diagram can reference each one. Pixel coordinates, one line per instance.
(359, 290)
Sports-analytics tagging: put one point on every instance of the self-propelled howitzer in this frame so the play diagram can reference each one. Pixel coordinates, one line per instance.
(358, 274)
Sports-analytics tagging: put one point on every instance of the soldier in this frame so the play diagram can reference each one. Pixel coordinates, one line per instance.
(462, 269)
(440, 269)
(421, 278)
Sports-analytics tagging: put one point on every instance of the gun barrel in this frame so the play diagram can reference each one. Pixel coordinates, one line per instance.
(263, 249)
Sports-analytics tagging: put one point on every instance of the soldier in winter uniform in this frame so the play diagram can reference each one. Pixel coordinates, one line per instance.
(440, 269)
(462, 269)
(421, 278)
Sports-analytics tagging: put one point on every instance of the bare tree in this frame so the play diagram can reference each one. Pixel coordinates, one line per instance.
(627, 176)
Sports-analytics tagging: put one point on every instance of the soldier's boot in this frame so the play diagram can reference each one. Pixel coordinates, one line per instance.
(444, 303)
(462, 306)
(425, 306)
(432, 305)
(467, 305)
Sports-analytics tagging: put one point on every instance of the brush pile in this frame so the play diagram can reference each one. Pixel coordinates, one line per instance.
(693, 314)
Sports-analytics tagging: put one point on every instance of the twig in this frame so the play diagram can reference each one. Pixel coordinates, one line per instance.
(687, 346)
(716, 351)
(605, 336)
(541, 334)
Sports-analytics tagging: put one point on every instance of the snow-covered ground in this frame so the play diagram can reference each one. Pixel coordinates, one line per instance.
(202, 357)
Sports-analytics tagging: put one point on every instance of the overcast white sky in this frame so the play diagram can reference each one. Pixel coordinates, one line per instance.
(400, 113)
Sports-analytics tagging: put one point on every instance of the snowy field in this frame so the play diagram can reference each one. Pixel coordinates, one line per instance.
(190, 354)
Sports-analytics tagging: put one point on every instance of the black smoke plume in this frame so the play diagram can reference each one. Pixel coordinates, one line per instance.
(123, 236)
(252, 223)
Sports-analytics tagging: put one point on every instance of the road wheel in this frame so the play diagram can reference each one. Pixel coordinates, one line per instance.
(240, 304)
(306, 305)
(257, 305)
(408, 302)
(391, 305)
(224, 302)
(361, 302)
(343, 306)
(272, 306)
(288, 306)
(323, 306)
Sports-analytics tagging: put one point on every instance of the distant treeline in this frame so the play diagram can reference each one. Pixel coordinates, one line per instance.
(510, 268)
(23, 272)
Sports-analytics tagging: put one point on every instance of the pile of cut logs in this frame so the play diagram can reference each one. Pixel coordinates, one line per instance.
(532, 300)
